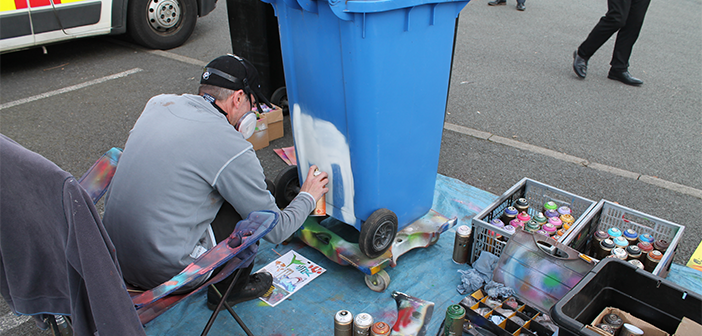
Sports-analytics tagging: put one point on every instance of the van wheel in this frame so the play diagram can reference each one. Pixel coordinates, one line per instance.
(161, 24)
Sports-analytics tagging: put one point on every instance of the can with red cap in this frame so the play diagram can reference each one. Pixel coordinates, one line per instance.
(380, 329)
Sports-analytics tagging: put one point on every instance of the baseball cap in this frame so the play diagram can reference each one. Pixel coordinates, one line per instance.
(234, 73)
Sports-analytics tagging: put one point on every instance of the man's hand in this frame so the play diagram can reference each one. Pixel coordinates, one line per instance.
(315, 185)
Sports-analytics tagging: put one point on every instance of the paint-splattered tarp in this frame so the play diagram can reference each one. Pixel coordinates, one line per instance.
(426, 273)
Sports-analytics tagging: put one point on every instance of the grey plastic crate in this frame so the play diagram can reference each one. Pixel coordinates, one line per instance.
(607, 214)
(537, 193)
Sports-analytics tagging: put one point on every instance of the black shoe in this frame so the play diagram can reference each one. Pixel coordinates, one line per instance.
(624, 77)
(579, 65)
(497, 3)
(521, 7)
(259, 285)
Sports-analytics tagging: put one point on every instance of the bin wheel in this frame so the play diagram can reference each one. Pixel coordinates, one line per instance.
(287, 186)
(378, 233)
(280, 99)
(378, 282)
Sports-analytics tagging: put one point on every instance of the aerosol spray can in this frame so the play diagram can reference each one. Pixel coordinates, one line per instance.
(321, 208)
(652, 260)
(343, 323)
(521, 204)
(509, 214)
(453, 325)
(460, 244)
(362, 324)
(631, 236)
(380, 329)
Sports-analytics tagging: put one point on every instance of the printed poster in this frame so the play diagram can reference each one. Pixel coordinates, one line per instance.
(290, 272)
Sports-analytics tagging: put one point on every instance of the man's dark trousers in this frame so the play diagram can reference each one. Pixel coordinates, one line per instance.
(625, 16)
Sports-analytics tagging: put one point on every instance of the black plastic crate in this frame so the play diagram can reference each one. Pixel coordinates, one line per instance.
(619, 284)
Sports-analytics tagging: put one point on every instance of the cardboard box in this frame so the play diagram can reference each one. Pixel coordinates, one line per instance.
(648, 329)
(275, 123)
(260, 137)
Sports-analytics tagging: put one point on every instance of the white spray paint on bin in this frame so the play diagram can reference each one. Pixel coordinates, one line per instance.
(319, 142)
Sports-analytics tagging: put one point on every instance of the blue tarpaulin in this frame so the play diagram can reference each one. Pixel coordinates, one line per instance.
(426, 273)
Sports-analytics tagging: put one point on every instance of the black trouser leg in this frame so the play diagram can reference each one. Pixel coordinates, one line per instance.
(627, 35)
(222, 226)
(615, 19)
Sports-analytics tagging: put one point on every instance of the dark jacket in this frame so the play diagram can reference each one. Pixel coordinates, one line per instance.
(55, 255)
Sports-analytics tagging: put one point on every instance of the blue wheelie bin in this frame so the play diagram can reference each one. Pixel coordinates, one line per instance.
(367, 84)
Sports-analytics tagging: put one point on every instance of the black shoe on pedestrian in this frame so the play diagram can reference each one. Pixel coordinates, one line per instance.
(579, 65)
(624, 77)
(521, 7)
(259, 285)
(497, 3)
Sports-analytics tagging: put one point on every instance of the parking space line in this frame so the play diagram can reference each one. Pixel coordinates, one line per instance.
(683, 189)
(69, 88)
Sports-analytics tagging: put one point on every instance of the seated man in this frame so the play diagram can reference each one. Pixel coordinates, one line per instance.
(188, 175)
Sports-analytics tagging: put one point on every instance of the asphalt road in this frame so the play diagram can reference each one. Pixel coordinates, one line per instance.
(515, 110)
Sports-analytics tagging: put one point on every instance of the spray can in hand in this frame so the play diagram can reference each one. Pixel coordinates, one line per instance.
(321, 208)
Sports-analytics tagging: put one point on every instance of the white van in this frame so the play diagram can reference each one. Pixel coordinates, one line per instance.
(156, 24)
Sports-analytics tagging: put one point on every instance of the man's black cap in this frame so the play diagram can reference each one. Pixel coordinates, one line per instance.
(234, 73)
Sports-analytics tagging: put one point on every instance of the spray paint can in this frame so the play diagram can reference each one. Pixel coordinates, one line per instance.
(646, 237)
(556, 222)
(460, 244)
(509, 214)
(453, 325)
(521, 204)
(550, 205)
(652, 260)
(380, 329)
(510, 231)
(604, 249)
(549, 229)
(614, 232)
(567, 220)
(597, 238)
(619, 252)
(532, 226)
(614, 321)
(637, 263)
(661, 245)
(540, 218)
(631, 236)
(321, 208)
(516, 223)
(343, 323)
(362, 324)
(621, 242)
(551, 213)
(564, 210)
(645, 248)
(523, 217)
(633, 252)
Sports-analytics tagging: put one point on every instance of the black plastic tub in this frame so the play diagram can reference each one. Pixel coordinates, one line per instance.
(619, 284)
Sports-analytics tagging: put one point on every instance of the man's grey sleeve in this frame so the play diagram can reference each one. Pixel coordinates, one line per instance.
(241, 182)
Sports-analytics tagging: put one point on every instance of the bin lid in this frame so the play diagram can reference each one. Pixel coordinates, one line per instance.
(344, 9)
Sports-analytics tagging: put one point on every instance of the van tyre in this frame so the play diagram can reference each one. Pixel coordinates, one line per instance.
(161, 24)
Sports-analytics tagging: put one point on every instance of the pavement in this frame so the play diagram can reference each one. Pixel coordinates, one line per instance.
(515, 108)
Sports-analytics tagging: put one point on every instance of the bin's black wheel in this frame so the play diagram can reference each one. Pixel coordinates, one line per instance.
(280, 99)
(287, 186)
(378, 233)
